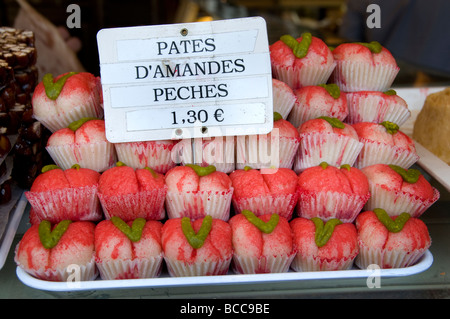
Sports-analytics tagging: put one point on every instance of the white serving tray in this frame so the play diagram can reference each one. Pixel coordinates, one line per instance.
(166, 281)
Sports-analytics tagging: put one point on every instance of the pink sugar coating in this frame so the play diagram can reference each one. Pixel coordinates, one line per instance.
(182, 179)
(185, 179)
(322, 126)
(76, 246)
(253, 183)
(315, 97)
(118, 180)
(249, 241)
(50, 180)
(386, 178)
(79, 89)
(358, 53)
(215, 182)
(147, 181)
(318, 54)
(333, 179)
(112, 244)
(343, 243)
(126, 180)
(279, 87)
(82, 177)
(217, 245)
(373, 233)
(378, 133)
(92, 131)
(286, 129)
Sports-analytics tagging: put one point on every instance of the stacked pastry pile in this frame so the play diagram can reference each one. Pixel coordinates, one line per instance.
(354, 196)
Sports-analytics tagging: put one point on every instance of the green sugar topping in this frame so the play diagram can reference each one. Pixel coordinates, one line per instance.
(154, 174)
(346, 166)
(332, 89)
(75, 125)
(334, 122)
(202, 171)
(49, 167)
(277, 116)
(324, 231)
(196, 240)
(390, 92)
(390, 127)
(373, 46)
(247, 168)
(134, 232)
(53, 89)
(409, 175)
(324, 165)
(300, 49)
(265, 227)
(394, 226)
(50, 238)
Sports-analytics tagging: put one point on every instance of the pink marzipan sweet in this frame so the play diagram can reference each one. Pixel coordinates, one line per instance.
(265, 191)
(380, 146)
(315, 101)
(86, 146)
(76, 247)
(129, 193)
(65, 194)
(358, 69)
(81, 96)
(313, 69)
(258, 252)
(196, 196)
(283, 98)
(388, 249)
(212, 258)
(330, 192)
(376, 107)
(392, 193)
(337, 254)
(120, 258)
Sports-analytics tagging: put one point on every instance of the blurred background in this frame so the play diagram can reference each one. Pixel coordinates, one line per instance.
(415, 31)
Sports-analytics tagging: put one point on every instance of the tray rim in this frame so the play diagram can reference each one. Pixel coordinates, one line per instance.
(423, 264)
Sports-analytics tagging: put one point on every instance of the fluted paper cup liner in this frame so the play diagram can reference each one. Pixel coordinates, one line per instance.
(283, 102)
(76, 204)
(197, 205)
(262, 264)
(397, 202)
(91, 108)
(71, 274)
(178, 268)
(140, 155)
(373, 108)
(385, 258)
(265, 151)
(312, 263)
(327, 205)
(282, 205)
(98, 156)
(380, 153)
(130, 269)
(353, 76)
(334, 149)
(305, 76)
(144, 204)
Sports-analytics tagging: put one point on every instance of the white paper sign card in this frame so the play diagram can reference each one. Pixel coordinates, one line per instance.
(186, 80)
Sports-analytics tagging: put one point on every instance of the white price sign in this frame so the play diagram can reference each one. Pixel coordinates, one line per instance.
(186, 80)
